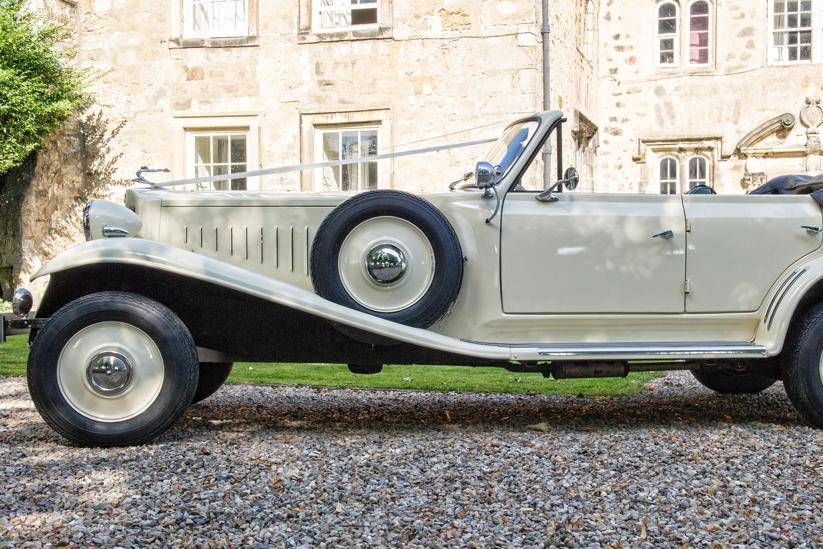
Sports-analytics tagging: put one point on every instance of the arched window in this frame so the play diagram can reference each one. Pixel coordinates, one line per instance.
(698, 171)
(667, 42)
(668, 175)
(699, 35)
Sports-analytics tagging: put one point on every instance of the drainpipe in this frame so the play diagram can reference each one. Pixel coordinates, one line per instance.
(547, 101)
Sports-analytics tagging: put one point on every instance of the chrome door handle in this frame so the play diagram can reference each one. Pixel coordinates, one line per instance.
(811, 229)
(664, 234)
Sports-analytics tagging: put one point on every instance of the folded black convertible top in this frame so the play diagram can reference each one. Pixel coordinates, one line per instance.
(791, 184)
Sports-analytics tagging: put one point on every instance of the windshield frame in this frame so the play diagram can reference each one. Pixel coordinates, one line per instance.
(524, 124)
(547, 122)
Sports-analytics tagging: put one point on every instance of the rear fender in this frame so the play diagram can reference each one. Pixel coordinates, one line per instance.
(799, 287)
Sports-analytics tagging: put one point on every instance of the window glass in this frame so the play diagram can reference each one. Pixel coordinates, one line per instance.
(348, 144)
(699, 33)
(698, 172)
(792, 30)
(341, 14)
(217, 17)
(511, 145)
(668, 176)
(667, 34)
(220, 154)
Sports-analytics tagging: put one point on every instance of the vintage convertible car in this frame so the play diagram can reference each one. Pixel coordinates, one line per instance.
(149, 314)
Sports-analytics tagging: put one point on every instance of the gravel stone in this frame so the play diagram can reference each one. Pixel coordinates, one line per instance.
(299, 467)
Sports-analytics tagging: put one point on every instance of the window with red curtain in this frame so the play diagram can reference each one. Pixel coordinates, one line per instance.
(699, 35)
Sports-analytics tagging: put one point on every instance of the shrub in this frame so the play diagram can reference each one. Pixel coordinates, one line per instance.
(38, 87)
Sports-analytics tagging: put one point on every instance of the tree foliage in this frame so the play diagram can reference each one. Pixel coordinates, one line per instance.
(39, 88)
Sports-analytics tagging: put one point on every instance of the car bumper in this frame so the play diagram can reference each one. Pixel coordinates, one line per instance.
(14, 325)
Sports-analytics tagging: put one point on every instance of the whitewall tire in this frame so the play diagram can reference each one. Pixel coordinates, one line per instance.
(112, 369)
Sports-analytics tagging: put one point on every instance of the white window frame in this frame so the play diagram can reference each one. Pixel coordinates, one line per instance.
(709, 31)
(660, 179)
(252, 184)
(817, 36)
(188, 21)
(320, 131)
(318, 9)
(675, 36)
(707, 180)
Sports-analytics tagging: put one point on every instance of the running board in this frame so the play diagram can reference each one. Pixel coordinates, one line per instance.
(635, 351)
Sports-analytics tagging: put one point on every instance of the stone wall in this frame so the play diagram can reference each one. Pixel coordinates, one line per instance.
(75, 165)
(440, 68)
(649, 111)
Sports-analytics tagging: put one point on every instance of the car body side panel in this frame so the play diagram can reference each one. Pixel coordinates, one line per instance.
(269, 240)
(593, 253)
(151, 255)
(475, 315)
(739, 245)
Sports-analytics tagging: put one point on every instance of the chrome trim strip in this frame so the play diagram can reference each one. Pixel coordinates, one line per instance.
(656, 351)
(777, 294)
(110, 231)
(791, 283)
(291, 248)
(633, 351)
(308, 252)
(276, 247)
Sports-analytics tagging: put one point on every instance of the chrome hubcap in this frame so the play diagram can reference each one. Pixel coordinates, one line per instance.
(109, 374)
(386, 264)
(110, 371)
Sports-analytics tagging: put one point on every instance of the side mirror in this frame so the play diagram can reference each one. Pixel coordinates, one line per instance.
(485, 175)
(570, 179)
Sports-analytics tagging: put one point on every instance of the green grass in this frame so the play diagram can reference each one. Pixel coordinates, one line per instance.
(13, 356)
(435, 378)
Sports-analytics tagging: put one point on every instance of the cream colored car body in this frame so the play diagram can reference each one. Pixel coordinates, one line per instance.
(587, 277)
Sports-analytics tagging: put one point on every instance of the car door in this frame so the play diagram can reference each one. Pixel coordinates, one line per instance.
(739, 245)
(593, 253)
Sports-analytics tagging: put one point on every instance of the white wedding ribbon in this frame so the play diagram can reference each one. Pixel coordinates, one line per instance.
(301, 167)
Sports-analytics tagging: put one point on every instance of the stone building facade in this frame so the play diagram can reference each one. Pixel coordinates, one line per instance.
(660, 95)
(208, 86)
(725, 93)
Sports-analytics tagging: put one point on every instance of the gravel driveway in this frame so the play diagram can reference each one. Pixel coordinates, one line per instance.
(300, 466)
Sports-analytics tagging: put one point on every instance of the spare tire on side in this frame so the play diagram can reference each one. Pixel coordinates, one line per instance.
(390, 254)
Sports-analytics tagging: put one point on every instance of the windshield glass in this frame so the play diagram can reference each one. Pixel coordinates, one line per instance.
(505, 152)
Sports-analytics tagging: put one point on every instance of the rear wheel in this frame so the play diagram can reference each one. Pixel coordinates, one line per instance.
(212, 376)
(733, 383)
(803, 366)
(112, 369)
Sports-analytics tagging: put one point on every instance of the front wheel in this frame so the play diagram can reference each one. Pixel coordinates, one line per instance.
(112, 369)
(803, 366)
